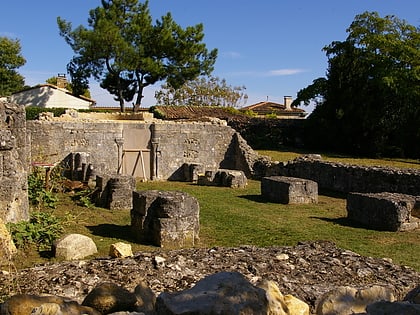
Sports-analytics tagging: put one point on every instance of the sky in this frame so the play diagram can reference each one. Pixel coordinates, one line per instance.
(271, 47)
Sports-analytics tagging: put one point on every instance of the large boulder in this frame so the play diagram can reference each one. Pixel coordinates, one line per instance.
(220, 293)
(109, 297)
(74, 246)
(24, 304)
(349, 300)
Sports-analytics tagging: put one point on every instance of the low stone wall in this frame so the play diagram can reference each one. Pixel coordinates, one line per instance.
(350, 178)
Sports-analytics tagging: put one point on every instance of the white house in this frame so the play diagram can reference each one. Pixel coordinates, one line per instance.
(50, 96)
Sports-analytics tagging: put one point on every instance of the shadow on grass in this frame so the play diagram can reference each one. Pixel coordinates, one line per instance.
(122, 232)
(342, 221)
(254, 198)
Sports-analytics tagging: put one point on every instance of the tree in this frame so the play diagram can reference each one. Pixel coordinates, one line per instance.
(74, 90)
(126, 52)
(370, 96)
(10, 59)
(203, 91)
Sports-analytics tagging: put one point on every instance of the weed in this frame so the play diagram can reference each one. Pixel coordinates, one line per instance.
(41, 230)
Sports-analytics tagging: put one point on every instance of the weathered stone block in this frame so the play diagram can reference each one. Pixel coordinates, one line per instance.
(384, 211)
(289, 190)
(165, 218)
(115, 191)
(224, 178)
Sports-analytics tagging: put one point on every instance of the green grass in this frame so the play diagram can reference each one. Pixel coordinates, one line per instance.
(233, 217)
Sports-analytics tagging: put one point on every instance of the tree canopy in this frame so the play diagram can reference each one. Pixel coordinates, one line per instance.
(369, 102)
(10, 59)
(125, 51)
(203, 91)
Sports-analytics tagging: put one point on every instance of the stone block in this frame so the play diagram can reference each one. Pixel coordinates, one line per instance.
(223, 178)
(115, 192)
(289, 190)
(168, 219)
(384, 211)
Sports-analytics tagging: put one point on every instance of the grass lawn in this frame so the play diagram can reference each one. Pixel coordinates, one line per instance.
(232, 217)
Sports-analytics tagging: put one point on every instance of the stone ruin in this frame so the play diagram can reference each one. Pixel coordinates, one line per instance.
(289, 190)
(384, 211)
(168, 219)
(114, 191)
(14, 205)
(223, 178)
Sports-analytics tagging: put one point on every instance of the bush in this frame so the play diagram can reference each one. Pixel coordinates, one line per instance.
(32, 112)
(41, 230)
(38, 195)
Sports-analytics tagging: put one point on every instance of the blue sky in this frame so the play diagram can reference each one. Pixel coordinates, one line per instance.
(272, 47)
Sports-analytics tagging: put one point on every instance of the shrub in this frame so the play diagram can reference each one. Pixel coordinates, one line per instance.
(37, 193)
(32, 112)
(41, 230)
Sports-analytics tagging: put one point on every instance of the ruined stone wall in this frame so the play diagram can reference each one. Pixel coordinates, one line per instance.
(171, 144)
(351, 178)
(55, 141)
(176, 144)
(14, 205)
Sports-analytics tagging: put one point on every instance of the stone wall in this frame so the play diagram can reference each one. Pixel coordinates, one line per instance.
(176, 144)
(350, 178)
(56, 141)
(169, 145)
(14, 205)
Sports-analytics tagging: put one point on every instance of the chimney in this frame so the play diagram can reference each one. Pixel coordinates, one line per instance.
(61, 81)
(288, 102)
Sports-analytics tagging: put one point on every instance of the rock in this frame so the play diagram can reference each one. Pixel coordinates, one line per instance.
(348, 300)
(220, 293)
(223, 178)
(7, 247)
(283, 305)
(109, 297)
(146, 298)
(24, 304)
(413, 296)
(120, 250)
(394, 308)
(74, 246)
(289, 190)
(169, 219)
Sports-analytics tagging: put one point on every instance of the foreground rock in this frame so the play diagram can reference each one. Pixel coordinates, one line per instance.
(306, 271)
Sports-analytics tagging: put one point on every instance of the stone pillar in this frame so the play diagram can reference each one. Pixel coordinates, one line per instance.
(14, 204)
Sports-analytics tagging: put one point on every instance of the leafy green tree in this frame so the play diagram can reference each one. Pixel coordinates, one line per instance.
(203, 91)
(126, 52)
(370, 98)
(10, 59)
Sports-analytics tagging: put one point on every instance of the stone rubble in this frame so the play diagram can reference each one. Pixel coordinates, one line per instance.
(307, 271)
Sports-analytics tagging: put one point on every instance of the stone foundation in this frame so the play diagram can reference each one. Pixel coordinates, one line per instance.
(384, 211)
(289, 190)
(168, 219)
